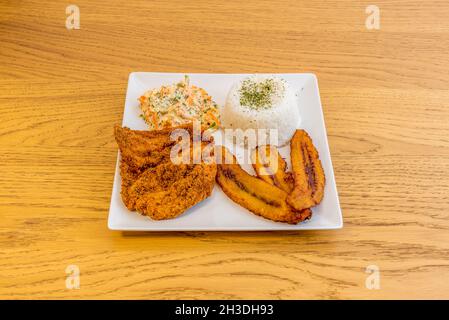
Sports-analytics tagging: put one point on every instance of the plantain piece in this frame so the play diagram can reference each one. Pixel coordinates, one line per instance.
(308, 172)
(254, 194)
(271, 167)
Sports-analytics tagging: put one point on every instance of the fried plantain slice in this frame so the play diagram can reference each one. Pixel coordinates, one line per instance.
(271, 167)
(254, 194)
(308, 172)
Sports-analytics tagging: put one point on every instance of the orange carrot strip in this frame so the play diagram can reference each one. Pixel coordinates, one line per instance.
(154, 120)
(217, 122)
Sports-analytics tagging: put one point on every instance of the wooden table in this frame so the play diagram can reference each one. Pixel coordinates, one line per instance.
(385, 98)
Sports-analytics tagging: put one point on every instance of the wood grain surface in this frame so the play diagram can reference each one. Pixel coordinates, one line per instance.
(385, 98)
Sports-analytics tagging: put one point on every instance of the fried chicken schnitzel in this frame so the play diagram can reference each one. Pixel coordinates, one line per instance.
(151, 183)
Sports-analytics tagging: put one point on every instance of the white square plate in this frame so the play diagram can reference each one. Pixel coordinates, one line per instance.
(218, 212)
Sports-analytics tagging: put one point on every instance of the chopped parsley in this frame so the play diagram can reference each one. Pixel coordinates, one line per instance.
(259, 94)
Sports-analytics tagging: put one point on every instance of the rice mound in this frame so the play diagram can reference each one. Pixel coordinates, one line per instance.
(282, 113)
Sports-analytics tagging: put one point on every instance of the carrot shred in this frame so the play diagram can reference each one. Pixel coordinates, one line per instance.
(214, 118)
(154, 120)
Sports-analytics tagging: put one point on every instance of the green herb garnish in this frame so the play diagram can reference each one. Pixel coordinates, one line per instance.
(258, 95)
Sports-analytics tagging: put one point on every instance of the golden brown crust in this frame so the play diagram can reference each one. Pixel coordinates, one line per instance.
(151, 183)
(168, 190)
(308, 172)
(271, 167)
(254, 194)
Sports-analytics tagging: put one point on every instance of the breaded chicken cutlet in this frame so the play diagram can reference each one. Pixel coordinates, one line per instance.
(151, 183)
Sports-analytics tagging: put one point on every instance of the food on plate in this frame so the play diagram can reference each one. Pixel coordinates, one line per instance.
(263, 108)
(167, 190)
(154, 185)
(271, 167)
(262, 102)
(308, 172)
(256, 195)
(178, 104)
(142, 149)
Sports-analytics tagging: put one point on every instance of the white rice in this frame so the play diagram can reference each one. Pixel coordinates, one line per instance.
(282, 114)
